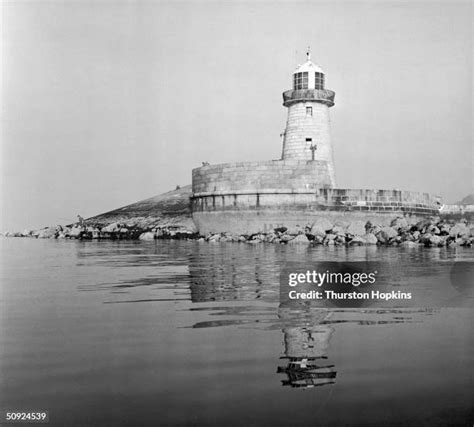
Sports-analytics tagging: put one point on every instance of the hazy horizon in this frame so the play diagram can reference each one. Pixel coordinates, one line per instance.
(107, 103)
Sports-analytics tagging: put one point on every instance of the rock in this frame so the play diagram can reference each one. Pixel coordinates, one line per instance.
(75, 232)
(356, 228)
(375, 229)
(459, 230)
(409, 244)
(444, 229)
(286, 237)
(434, 230)
(385, 234)
(147, 236)
(340, 239)
(295, 230)
(320, 227)
(422, 225)
(280, 230)
(318, 240)
(270, 237)
(436, 240)
(111, 228)
(337, 229)
(399, 223)
(370, 239)
(47, 233)
(357, 241)
(299, 240)
(214, 238)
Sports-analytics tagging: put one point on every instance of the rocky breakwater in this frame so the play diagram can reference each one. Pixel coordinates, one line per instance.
(114, 231)
(164, 216)
(432, 232)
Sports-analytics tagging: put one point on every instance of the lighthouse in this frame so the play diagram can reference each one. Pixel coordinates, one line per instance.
(307, 135)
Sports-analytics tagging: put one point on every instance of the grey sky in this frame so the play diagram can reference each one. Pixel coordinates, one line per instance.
(106, 103)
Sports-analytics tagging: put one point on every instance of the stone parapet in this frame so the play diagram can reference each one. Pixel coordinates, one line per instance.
(324, 96)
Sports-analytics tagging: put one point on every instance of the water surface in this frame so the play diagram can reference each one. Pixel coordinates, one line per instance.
(193, 333)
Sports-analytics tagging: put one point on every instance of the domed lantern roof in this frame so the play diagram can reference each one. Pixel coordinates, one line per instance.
(308, 75)
(309, 66)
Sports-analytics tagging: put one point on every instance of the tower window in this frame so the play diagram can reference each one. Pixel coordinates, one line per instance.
(309, 139)
(309, 111)
(300, 81)
(318, 80)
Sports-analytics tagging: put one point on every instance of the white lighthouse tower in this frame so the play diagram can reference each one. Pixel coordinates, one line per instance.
(307, 135)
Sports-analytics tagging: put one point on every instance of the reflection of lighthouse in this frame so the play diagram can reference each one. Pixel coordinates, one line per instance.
(305, 350)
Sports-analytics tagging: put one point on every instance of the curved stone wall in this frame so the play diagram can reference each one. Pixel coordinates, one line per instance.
(257, 176)
(250, 211)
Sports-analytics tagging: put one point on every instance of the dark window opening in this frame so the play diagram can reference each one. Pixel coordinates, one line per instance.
(309, 111)
(318, 80)
(300, 81)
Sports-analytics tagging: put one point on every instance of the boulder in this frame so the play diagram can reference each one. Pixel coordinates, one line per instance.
(147, 236)
(214, 238)
(409, 244)
(299, 240)
(295, 230)
(320, 227)
(356, 228)
(399, 223)
(270, 237)
(385, 234)
(337, 229)
(75, 232)
(357, 241)
(459, 230)
(111, 227)
(444, 229)
(47, 233)
(423, 224)
(318, 240)
(436, 240)
(370, 239)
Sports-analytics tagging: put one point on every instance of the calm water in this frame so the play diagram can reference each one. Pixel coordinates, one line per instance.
(189, 333)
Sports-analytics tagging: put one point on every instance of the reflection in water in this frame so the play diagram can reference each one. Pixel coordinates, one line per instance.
(305, 348)
(209, 273)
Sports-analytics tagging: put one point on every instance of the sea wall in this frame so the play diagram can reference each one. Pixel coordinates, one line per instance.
(264, 210)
